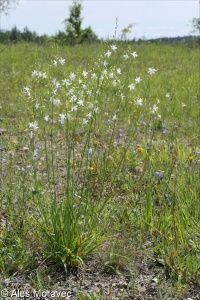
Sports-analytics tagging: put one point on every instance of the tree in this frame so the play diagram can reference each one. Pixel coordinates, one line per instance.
(73, 25)
(6, 5)
(196, 24)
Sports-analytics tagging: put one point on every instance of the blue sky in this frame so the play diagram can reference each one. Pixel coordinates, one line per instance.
(152, 19)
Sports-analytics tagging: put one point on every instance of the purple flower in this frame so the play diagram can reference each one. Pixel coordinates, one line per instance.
(119, 136)
(2, 130)
(25, 148)
(38, 144)
(108, 121)
(23, 170)
(160, 174)
(28, 167)
(52, 121)
(1, 147)
(164, 131)
(42, 158)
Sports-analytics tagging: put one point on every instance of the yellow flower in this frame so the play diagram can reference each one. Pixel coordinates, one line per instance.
(140, 149)
(14, 142)
(90, 168)
(191, 157)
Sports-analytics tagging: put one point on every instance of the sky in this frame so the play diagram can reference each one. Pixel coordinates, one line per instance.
(151, 19)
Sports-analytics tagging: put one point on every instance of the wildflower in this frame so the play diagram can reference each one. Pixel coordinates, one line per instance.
(25, 149)
(90, 168)
(44, 75)
(84, 86)
(46, 118)
(2, 130)
(72, 76)
(53, 121)
(126, 56)
(61, 61)
(111, 75)
(27, 89)
(118, 71)
(113, 47)
(191, 157)
(66, 82)
(84, 121)
(90, 150)
(139, 102)
(94, 76)
(140, 149)
(167, 95)
(34, 73)
(33, 125)
(137, 79)
(23, 170)
(152, 71)
(89, 115)
(108, 53)
(89, 92)
(80, 102)
(74, 108)
(114, 83)
(55, 62)
(160, 174)
(114, 118)
(134, 54)
(154, 109)
(84, 73)
(28, 167)
(31, 134)
(131, 86)
(37, 105)
(105, 63)
(62, 118)
(42, 158)
(73, 98)
(56, 102)
(183, 104)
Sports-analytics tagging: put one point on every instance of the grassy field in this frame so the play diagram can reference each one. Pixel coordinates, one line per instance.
(100, 155)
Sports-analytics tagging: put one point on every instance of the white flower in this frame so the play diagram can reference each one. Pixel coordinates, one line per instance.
(105, 63)
(84, 86)
(33, 125)
(46, 118)
(94, 76)
(84, 121)
(154, 109)
(152, 71)
(131, 86)
(62, 118)
(114, 83)
(84, 73)
(37, 105)
(111, 75)
(80, 102)
(114, 117)
(74, 108)
(139, 102)
(73, 99)
(167, 95)
(118, 71)
(44, 75)
(134, 54)
(96, 110)
(27, 91)
(126, 56)
(55, 63)
(113, 47)
(88, 92)
(90, 150)
(66, 82)
(183, 104)
(56, 102)
(31, 134)
(137, 79)
(91, 105)
(72, 76)
(122, 96)
(61, 61)
(89, 115)
(34, 73)
(108, 53)
(68, 116)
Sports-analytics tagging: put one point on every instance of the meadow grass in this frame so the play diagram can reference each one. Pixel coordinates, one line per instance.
(100, 153)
